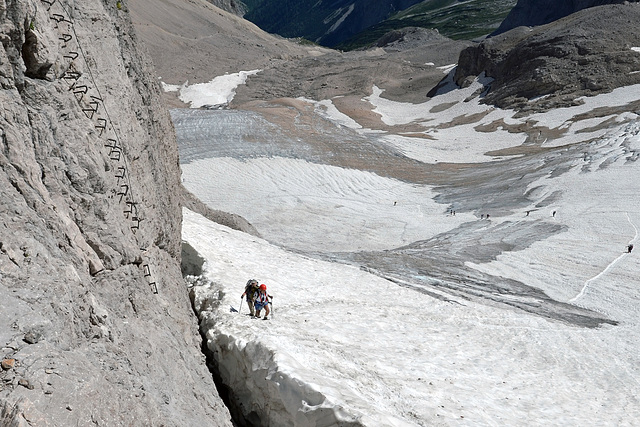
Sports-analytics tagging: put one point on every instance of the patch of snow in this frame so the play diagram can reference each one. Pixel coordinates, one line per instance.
(171, 88)
(538, 98)
(453, 146)
(332, 16)
(636, 49)
(327, 109)
(446, 69)
(572, 121)
(219, 91)
(397, 113)
(560, 117)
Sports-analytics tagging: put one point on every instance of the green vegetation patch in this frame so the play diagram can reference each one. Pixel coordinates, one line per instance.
(458, 20)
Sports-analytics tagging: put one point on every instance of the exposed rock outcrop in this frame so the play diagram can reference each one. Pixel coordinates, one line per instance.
(586, 53)
(94, 310)
(232, 6)
(230, 220)
(531, 13)
(409, 37)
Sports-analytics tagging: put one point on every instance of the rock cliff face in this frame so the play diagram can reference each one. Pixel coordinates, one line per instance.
(592, 51)
(95, 322)
(539, 12)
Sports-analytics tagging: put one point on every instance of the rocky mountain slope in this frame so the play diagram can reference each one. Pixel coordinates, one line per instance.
(96, 326)
(217, 43)
(532, 13)
(326, 23)
(549, 66)
(458, 20)
(581, 56)
(351, 24)
(212, 43)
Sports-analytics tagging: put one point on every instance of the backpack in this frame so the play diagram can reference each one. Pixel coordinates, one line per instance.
(251, 288)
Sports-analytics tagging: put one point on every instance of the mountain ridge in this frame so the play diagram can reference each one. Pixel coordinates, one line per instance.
(533, 13)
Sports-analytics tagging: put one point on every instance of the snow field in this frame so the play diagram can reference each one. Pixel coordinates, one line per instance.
(389, 356)
(602, 211)
(451, 146)
(348, 346)
(319, 206)
(328, 110)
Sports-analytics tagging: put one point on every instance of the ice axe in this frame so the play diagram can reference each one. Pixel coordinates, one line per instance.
(240, 310)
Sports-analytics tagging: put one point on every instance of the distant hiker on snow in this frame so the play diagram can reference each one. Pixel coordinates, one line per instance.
(629, 248)
(251, 291)
(262, 301)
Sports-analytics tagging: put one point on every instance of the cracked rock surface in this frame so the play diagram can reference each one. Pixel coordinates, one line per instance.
(96, 327)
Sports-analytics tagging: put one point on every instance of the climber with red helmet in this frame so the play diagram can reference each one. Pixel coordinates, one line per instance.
(262, 301)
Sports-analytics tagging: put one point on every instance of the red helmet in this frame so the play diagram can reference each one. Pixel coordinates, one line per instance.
(263, 287)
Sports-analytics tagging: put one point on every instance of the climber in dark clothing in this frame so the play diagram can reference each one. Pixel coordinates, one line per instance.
(251, 291)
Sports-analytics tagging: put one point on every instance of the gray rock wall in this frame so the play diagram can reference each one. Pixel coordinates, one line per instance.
(95, 323)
